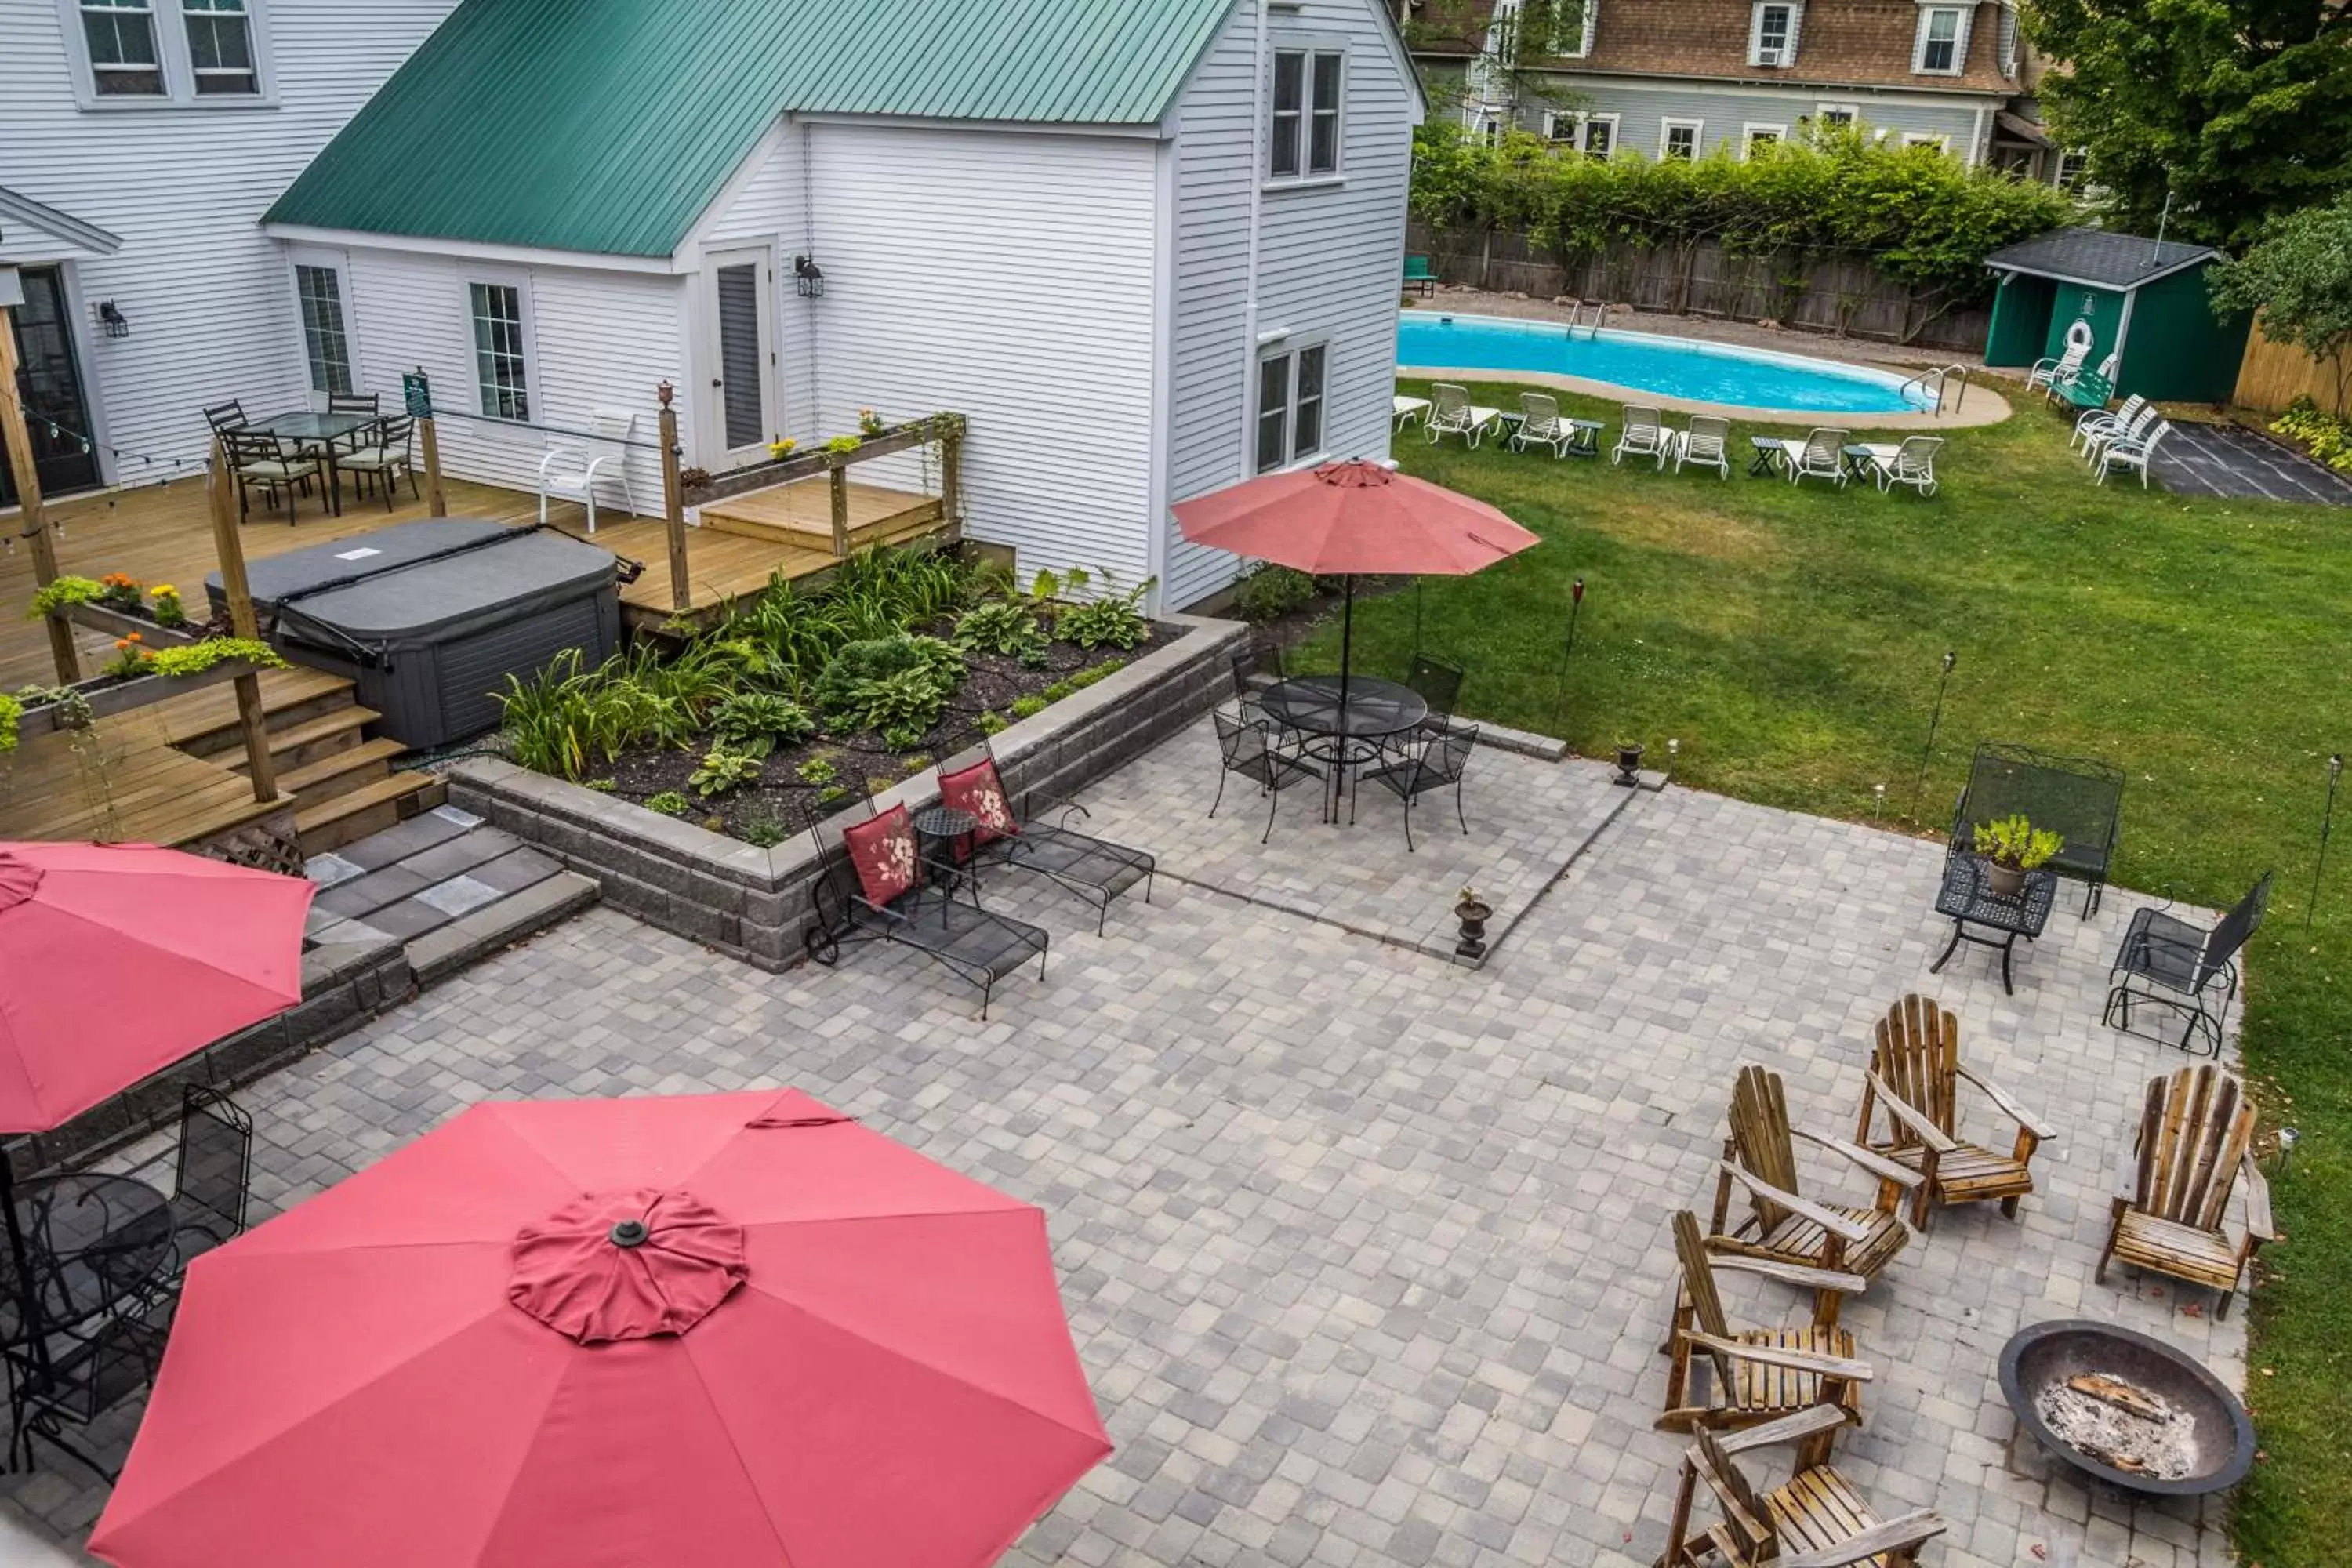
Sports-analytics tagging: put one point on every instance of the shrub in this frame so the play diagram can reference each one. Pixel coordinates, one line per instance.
(195, 658)
(1113, 620)
(602, 787)
(1027, 707)
(1058, 691)
(891, 683)
(765, 832)
(669, 803)
(2328, 437)
(64, 591)
(991, 722)
(722, 771)
(833, 794)
(817, 771)
(1271, 592)
(1094, 673)
(754, 722)
(11, 710)
(1000, 626)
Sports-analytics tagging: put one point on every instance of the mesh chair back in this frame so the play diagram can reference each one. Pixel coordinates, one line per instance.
(1240, 742)
(2080, 798)
(229, 415)
(1437, 681)
(1448, 754)
(216, 1164)
(2223, 942)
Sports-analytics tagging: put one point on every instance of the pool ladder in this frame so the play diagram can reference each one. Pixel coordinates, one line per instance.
(1576, 315)
(1951, 377)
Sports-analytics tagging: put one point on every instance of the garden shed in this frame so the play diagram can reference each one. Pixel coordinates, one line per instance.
(2142, 300)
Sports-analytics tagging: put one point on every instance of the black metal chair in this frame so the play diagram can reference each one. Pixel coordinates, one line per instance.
(1086, 866)
(2080, 798)
(212, 1179)
(2169, 963)
(79, 1376)
(229, 415)
(1246, 701)
(978, 947)
(367, 403)
(1249, 748)
(1438, 765)
(261, 459)
(1438, 682)
(380, 452)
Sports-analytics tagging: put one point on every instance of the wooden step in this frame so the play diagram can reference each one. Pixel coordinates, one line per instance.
(205, 724)
(296, 745)
(374, 806)
(340, 772)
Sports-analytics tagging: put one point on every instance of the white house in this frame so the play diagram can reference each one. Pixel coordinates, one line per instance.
(1147, 247)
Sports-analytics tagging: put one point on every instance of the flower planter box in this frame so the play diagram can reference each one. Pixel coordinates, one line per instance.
(115, 622)
(112, 697)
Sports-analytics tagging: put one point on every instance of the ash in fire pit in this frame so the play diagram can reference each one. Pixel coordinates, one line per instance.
(2122, 1424)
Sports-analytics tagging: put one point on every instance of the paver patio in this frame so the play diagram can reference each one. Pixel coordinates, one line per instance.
(1365, 1252)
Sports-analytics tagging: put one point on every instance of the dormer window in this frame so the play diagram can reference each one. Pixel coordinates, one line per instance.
(1943, 42)
(121, 35)
(1772, 33)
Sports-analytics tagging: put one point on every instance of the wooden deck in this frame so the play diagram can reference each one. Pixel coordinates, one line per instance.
(164, 535)
(125, 782)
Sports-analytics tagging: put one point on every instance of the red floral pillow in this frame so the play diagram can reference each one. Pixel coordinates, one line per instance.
(979, 792)
(882, 851)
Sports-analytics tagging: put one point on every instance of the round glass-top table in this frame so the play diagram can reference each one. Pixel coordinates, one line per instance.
(93, 1239)
(1375, 708)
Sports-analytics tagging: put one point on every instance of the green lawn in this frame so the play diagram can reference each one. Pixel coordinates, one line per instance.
(1791, 641)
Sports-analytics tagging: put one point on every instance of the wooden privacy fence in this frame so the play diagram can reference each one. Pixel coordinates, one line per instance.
(2273, 375)
(1840, 294)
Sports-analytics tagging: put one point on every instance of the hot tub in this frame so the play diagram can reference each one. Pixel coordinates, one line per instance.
(428, 619)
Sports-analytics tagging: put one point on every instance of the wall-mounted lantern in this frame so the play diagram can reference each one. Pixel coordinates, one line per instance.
(116, 324)
(808, 277)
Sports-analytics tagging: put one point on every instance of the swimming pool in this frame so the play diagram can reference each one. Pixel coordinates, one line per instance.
(1640, 363)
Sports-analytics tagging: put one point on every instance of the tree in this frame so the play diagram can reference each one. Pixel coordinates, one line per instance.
(2298, 274)
(2238, 109)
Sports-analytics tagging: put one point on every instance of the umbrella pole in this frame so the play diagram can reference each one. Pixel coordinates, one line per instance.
(28, 1297)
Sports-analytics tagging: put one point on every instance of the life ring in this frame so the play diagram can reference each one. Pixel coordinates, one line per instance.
(2080, 336)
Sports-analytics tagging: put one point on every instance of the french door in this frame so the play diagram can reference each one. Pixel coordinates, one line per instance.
(741, 352)
(63, 457)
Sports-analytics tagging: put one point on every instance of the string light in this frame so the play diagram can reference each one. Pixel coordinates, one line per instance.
(176, 467)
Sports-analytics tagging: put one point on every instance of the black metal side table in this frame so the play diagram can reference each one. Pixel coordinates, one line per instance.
(944, 837)
(1967, 899)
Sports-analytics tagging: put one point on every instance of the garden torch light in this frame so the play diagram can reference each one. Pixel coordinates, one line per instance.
(1559, 681)
(1935, 722)
(2326, 823)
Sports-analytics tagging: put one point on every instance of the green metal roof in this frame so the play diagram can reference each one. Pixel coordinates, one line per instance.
(609, 125)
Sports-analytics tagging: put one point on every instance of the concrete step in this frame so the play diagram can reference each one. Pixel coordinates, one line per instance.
(470, 937)
(340, 772)
(345, 818)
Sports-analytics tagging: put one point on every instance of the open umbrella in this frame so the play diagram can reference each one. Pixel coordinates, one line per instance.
(722, 1330)
(1350, 520)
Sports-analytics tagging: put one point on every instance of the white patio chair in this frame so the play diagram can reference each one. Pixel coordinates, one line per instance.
(2091, 421)
(1706, 443)
(1823, 457)
(1456, 414)
(2133, 430)
(573, 467)
(2124, 452)
(1540, 425)
(2078, 349)
(1405, 410)
(1912, 463)
(1645, 435)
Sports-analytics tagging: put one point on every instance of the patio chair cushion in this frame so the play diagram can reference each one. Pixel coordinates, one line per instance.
(882, 852)
(977, 791)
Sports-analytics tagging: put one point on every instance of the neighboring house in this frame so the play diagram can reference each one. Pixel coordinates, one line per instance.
(1676, 79)
(141, 141)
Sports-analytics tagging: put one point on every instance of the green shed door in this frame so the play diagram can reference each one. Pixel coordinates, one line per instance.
(2020, 320)
(2102, 308)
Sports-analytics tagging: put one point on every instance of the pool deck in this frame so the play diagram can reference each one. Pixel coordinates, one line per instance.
(1976, 404)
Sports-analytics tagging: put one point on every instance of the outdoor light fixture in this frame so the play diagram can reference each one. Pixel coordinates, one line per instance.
(808, 277)
(116, 325)
(2287, 1138)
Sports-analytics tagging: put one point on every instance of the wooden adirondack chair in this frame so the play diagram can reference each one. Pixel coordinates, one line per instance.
(1915, 1077)
(1817, 1520)
(1761, 1374)
(1760, 1157)
(2196, 1132)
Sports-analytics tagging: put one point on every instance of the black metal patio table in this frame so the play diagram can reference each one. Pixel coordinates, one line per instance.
(94, 1239)
(317, 433)
(945, 836)
(1347, 716)
(1771, 455)
(1967, 899)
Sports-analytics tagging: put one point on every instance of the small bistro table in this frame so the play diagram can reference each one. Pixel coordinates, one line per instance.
(1965, 900)
(316, 434)
(1771, 455)
(93, 1238)
(1374, 710)
(943, 827)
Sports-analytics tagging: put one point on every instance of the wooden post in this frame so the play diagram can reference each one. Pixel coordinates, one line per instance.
(436, 499)
(18, 438)
(951, 474)
(251, 716)
(837, 483)
(681, 592)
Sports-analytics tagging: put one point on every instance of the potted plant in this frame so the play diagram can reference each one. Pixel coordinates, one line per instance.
(780, 447)
(2011, 846)
(1473, 912)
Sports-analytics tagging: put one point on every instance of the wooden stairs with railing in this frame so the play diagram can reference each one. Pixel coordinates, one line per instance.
(344, 784)
(800, 515)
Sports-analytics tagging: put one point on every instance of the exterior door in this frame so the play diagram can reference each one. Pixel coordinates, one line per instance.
(63, 457)
(742, 353)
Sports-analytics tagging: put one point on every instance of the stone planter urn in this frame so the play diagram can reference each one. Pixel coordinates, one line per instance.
(1629, 764)
(1473, 914)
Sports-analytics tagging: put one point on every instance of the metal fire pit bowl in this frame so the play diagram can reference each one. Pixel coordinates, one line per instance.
(2046, 1353)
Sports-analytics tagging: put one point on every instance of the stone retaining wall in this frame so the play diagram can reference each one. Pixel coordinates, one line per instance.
(753, 903)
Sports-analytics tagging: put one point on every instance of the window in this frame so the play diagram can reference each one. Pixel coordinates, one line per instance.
(220, 47)
(1305, 136)
(121, 35)
(1836, 113)
(1943, 41)
(2007, 41)
(319, 292)
(1680, 138)
(1592, 134)
(1572, 23)
(1752, 136)
(1291, 406)
(2073, 163)
(1772, 34)
(499, 367)
(1927, 139)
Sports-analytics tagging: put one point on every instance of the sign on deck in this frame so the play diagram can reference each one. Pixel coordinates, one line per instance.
(416, 391)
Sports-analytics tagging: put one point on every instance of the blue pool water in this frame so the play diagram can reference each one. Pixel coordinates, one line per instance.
(1668, 367)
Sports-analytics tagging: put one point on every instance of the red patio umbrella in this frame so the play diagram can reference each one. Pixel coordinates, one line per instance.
(722, 1330)
(1352, 519)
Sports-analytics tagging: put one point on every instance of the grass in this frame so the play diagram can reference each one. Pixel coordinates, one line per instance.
(1793, 639)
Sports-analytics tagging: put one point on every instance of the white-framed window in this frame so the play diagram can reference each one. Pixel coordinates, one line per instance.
(1927, 139)
(1943, 44)
(1752, 136)
(1680, 138)
(1559, 127)
(148, 54)
(2006, 40)
(1291, 381)
(1571, 29)
(1303, 139)
(319, 299)
(1595, 135)
(501, 332)
(1836, 113)
(1772, 32)
(2074, 167)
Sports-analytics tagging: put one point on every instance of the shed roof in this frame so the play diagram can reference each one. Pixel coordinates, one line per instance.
(609, 125)
(2098, 256)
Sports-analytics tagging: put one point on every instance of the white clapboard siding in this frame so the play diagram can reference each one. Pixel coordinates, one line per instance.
(1328, 259)
(1007, 276)
(599, 339)
(209, 298)
(764, 209)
